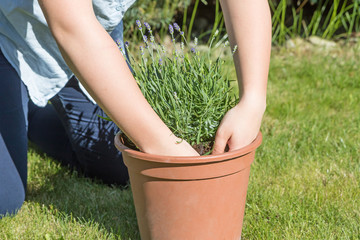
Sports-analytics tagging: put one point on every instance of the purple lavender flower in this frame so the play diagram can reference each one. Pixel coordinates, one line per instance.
(171, 29)
(152, 39)
(160, 61)
(147, 26)
(142, 50)
(193, 50)
(177, 28)
(145, 39)
(138, 23)
(182, 33)
(126, 44)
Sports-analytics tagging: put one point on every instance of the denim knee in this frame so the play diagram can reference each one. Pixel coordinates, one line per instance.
(11, 199)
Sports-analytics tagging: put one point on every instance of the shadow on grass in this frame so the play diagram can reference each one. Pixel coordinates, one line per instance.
(88, 201)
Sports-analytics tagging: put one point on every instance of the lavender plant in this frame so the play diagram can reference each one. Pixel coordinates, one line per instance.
(187, 88)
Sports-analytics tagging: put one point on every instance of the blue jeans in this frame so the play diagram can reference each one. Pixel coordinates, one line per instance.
(68, 129)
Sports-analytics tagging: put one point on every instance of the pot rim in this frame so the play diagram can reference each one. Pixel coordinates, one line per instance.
(188, 159)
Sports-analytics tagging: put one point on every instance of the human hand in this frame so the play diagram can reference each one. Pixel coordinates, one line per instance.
(240, 126)
(183, 148)
(171, 145)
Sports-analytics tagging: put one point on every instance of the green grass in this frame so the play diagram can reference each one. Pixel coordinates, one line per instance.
(304, 184)
(63, 205)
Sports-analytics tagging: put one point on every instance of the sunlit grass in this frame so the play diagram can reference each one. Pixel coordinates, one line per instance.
(304, 184)
(63, 205)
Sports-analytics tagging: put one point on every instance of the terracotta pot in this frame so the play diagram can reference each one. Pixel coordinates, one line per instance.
(189, 198)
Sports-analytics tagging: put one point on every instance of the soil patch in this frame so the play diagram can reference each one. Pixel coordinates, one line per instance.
(202, 148)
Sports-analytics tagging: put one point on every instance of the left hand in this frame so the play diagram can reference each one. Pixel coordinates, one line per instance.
(239, 127)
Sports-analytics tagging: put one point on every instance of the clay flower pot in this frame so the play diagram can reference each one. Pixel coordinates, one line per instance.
(189, 198)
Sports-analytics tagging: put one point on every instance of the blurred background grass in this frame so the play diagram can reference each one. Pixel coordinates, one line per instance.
(330, 19)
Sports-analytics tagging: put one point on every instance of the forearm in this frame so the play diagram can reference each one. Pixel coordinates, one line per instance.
(108, 79)
(97, 62)
(248, 23)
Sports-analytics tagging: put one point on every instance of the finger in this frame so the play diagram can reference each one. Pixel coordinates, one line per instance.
(240, 142)
(220, 143)
(233, 145)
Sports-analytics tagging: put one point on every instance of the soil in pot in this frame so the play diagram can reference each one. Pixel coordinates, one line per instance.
(204, 148)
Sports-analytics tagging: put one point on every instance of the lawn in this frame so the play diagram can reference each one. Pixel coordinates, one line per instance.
(304, 184)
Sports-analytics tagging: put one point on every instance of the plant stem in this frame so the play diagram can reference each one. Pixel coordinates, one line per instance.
(192, 19)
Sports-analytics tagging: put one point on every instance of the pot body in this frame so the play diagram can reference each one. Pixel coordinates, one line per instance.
(192, 198)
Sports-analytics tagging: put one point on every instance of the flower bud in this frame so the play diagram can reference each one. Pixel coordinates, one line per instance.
(171, 29)
(138, 23)
(147, 26)
(176, 26)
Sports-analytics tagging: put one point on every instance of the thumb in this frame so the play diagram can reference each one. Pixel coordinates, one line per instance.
(220, 143)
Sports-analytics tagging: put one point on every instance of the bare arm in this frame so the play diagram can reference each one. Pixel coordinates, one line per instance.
(248, 23)
(95, 59)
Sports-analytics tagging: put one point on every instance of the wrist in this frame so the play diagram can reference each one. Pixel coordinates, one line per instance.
(253, 100)
(170, 145)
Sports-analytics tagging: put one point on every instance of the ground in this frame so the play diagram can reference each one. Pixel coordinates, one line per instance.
(304, 183)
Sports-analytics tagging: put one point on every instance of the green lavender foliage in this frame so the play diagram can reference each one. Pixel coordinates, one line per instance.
(187, 88)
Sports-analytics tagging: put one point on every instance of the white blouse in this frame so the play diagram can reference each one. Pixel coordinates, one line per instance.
(28, 45)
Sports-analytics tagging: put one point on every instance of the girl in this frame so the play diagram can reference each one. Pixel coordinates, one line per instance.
(43, 42)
